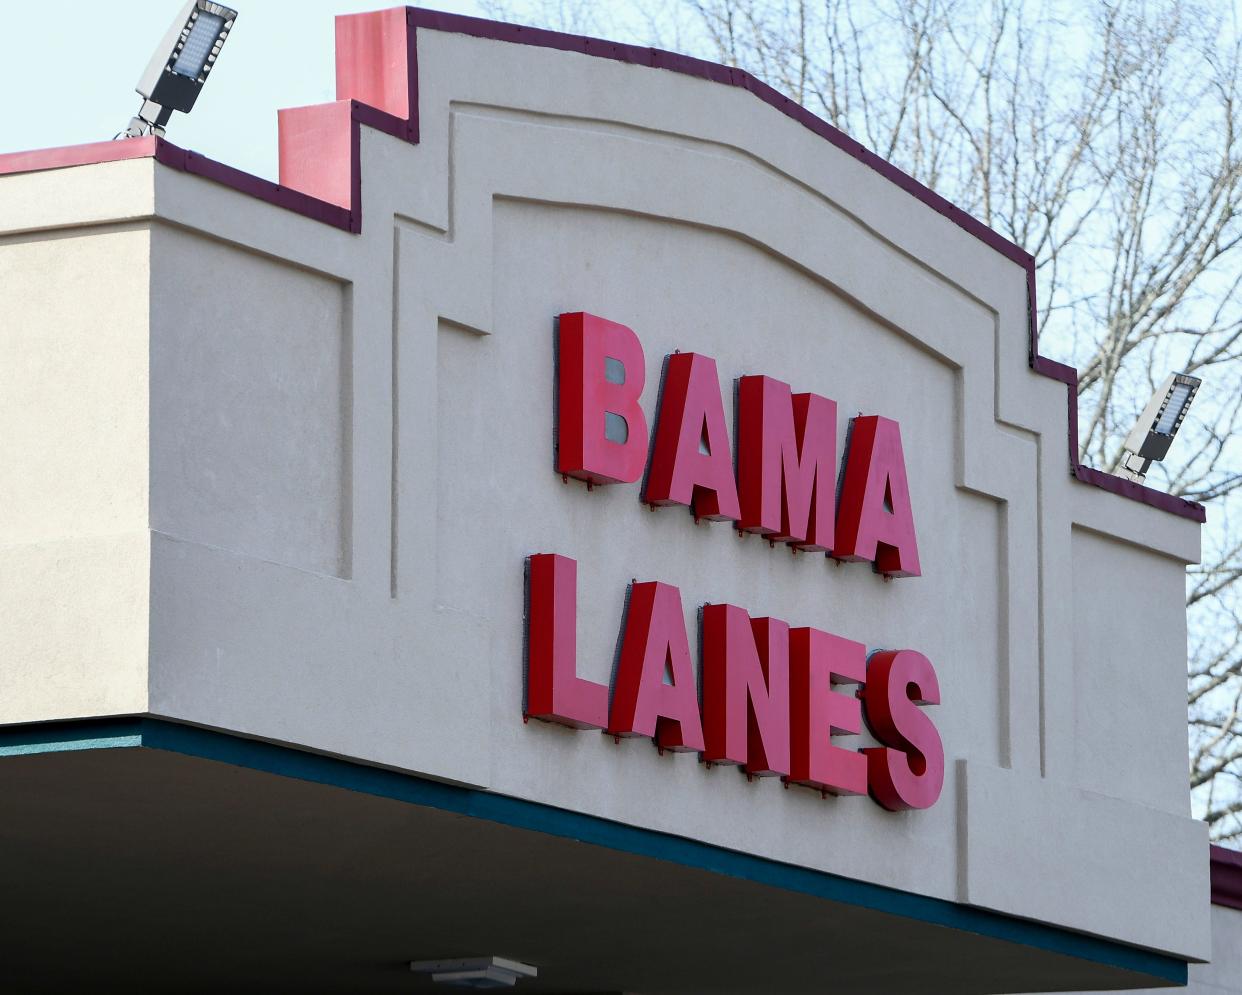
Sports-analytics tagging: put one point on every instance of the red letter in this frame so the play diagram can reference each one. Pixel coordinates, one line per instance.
(655, 641)
(816, 661)
(786, 462)
(911, 774)
(874, 519)
(601, 433)
(554, 691)
(691, 461)
(745, 690)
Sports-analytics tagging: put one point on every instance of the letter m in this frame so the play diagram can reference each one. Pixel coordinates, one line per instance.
(786, 463)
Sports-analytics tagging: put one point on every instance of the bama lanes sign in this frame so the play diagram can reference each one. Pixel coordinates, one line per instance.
(771, 697)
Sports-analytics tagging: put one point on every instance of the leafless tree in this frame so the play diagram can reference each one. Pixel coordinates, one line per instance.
(1103, 137)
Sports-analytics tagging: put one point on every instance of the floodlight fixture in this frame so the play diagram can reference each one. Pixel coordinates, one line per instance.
(181, 65)
(475, 972)
(1153, 434)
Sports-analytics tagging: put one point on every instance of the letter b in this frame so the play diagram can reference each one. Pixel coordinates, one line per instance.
(601, 432)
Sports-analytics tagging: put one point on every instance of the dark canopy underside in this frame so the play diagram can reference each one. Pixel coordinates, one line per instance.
(136, 869)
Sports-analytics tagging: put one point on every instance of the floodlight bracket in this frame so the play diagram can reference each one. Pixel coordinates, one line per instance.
(150, 120)
(1133, 467)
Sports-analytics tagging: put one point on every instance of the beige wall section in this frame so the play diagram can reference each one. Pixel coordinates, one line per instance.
(1057, 852)
(74, 546)
(250, 408)
(351, 456)
(1120, 677)
(105, 193)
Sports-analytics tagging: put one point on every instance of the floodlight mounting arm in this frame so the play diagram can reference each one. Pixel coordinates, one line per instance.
(180, 66)
(150, 120)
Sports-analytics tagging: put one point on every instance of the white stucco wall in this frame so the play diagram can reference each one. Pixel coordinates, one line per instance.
(1223, 976)
(250, 429)
(346, 458)
(74, 540)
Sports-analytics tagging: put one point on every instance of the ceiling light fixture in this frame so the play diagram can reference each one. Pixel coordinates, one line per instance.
(475, 972)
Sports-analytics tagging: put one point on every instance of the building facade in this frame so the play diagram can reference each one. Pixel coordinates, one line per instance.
(589, 512)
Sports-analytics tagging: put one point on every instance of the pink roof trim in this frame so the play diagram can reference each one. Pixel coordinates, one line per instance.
(76, 155)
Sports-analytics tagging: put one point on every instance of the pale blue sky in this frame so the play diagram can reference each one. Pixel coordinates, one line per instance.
(69, 70)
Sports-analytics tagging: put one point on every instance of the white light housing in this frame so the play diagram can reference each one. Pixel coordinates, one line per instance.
(181, 65)
(1153, 434)
(475, 972)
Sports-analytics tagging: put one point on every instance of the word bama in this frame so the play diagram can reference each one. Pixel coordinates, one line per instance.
(786, 449)
(769, 700)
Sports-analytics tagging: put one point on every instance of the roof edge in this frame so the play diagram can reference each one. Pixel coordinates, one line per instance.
(381, 33)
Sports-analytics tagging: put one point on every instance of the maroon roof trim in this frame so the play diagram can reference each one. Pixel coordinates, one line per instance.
(294, 200)
(1226, 878)
(417, 17)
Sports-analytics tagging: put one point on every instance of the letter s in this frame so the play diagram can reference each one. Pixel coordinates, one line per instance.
(908, 771)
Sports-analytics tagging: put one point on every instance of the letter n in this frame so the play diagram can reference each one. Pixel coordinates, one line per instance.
(745, 690)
